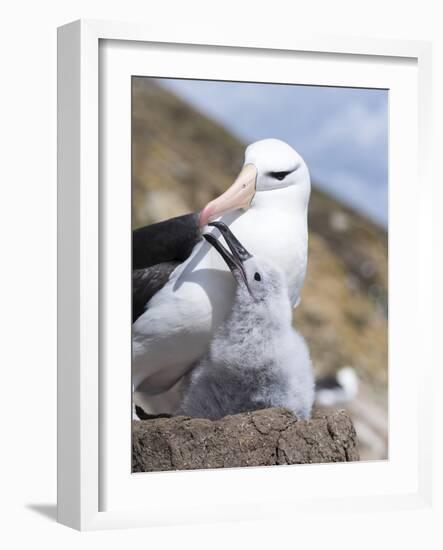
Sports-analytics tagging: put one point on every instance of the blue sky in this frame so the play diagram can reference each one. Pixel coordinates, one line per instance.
(342, 133)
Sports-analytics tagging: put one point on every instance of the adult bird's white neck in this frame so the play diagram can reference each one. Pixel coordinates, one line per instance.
(274, 227)
(291, 200)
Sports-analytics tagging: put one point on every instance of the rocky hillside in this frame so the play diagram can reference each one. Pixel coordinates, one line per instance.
(182, 159)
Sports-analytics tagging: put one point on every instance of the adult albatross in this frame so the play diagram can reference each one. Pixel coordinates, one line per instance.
(266, 207)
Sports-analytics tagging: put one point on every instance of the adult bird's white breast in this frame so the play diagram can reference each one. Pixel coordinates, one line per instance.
(181, 318)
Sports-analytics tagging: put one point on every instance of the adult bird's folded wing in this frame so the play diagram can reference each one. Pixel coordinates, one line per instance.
(166, 241)
(146, 282)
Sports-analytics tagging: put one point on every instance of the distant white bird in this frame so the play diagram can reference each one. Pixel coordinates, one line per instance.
(337, 389)
(256, 359)
(267, 208)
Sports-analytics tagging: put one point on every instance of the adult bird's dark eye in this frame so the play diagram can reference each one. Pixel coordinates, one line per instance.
(257, 277)
(279, 175)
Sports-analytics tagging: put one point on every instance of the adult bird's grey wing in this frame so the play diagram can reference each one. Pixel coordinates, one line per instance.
(146, 282)
(157, 250)
(170, 240)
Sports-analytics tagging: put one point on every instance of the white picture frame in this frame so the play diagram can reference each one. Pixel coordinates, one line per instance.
(95, 487)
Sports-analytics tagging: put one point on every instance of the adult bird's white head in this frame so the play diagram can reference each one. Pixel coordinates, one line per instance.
(270, 165)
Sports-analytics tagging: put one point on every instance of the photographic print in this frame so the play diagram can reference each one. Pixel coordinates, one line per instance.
(260, 274)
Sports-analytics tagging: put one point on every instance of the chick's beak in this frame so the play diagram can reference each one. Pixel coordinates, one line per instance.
(235, 256)
(239, 195)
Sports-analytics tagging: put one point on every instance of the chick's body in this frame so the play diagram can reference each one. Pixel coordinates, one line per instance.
(256, 359)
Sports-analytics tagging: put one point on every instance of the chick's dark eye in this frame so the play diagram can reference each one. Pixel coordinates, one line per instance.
(279, 175)
(257, 277)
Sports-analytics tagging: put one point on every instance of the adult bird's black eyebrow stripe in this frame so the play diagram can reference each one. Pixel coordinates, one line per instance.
(280, 175)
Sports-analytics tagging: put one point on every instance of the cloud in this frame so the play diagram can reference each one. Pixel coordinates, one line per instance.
(357, 124)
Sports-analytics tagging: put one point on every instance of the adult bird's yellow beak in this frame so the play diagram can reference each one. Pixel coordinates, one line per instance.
(239, 195)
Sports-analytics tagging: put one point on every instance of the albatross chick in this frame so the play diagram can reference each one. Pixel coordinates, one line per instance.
(256, 359)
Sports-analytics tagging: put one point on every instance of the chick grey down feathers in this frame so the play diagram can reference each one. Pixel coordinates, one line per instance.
(256, 359)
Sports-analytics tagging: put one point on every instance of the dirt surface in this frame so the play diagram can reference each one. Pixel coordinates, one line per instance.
(260, 438)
